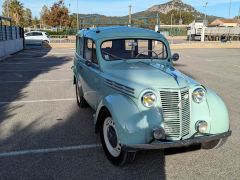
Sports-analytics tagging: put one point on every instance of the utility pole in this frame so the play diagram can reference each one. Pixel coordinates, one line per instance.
(229, 11)
(77, 17)
(172, 26)
(130, 15)
(205, 18)
(239, 15)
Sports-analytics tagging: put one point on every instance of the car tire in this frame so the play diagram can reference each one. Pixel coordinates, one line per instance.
(45, 42)
(213, 144)
(112, 147)
(81, 102)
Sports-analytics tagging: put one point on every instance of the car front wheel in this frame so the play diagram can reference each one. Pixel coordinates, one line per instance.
(111, 144)
(81, 102)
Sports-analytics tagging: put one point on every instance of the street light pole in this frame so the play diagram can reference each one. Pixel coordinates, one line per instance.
(205, 18)
(77, 17)
(229, 11)
(130, 15)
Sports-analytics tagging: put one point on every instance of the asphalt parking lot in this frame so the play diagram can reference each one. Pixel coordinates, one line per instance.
(44, 135)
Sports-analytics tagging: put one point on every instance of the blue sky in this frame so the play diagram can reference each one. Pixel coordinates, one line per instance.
(120, 7)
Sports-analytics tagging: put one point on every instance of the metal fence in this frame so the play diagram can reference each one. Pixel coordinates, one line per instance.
(11, 33)
(62, 39)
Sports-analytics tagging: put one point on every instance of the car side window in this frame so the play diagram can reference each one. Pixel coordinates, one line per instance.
(79, 45)
(29, 34)
(90, 51)
(36, 34)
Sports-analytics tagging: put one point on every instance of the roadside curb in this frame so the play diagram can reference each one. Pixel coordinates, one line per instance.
(206, 45)
(200, 45)
(4, 58)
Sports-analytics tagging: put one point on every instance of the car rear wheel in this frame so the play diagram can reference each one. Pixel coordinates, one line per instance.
(45, 42)
(81, 102)
(111, 144)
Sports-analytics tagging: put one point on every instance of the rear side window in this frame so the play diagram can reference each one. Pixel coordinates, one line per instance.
(79, 45)
(36, 34)
(90, 51)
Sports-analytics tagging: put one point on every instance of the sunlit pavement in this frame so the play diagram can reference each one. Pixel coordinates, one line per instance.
(44, 135)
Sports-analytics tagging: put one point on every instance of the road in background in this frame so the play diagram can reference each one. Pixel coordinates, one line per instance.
(44, 135)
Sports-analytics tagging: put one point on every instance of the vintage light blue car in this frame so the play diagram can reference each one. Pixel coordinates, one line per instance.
(141, 101)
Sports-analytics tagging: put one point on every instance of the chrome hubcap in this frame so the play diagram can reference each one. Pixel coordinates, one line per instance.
(111, 138)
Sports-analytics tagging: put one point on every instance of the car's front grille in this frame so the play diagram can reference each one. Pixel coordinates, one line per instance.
(176, 112)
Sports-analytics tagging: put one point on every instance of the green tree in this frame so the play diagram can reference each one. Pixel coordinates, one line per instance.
(44, 15)
(36, 22)
(27, 16)
(58, 15)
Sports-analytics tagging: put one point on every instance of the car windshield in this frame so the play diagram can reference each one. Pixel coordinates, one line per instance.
(125, 49)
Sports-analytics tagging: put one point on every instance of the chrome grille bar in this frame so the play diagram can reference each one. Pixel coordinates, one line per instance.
(176, 112)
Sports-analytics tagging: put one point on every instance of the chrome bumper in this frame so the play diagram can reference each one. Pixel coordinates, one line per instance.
(172, 144)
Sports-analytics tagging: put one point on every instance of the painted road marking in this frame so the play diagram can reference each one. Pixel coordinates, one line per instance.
(34, 70)
(57, 62)
(38, 101)
(36, 81)
(48, 150)
(237, 66)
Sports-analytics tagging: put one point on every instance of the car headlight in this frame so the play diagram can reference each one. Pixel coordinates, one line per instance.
(149, 99)
(198, 95)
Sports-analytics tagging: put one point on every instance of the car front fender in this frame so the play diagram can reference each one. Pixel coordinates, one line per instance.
(133, 126)
(218, 113)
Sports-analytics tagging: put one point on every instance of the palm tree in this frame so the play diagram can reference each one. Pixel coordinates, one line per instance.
(15, 10)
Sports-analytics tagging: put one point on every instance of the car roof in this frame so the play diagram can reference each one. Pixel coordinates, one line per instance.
(36, 31)
(118, 32)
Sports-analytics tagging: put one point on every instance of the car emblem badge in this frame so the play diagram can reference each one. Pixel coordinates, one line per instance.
(180, 104)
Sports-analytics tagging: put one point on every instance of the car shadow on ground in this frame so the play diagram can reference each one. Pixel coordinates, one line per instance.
(74, 129)
(15, 76)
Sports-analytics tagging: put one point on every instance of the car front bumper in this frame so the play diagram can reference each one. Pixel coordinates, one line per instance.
(172, 144)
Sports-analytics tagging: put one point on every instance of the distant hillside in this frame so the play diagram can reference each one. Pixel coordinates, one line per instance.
(174, 7)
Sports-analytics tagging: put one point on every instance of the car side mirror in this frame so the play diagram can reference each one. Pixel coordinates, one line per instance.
(88, 63)
(175, 57)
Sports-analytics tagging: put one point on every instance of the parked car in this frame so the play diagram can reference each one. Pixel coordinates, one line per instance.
(40, 36)
(126, 75)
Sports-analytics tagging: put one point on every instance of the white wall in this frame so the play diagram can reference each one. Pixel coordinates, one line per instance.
(10, 46)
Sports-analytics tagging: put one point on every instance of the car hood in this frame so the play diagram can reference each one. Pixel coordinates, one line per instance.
(152, 75)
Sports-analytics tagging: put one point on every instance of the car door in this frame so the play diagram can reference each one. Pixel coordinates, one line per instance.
(89, 72)
(38, 36)
(28, 35)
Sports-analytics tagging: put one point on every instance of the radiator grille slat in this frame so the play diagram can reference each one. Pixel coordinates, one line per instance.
(176, 112)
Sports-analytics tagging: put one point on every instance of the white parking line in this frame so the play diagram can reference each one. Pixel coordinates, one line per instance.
(36, 81)
(19, 63)
(237, 66)
(33, 70)
(48, 150)
(37, 101)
